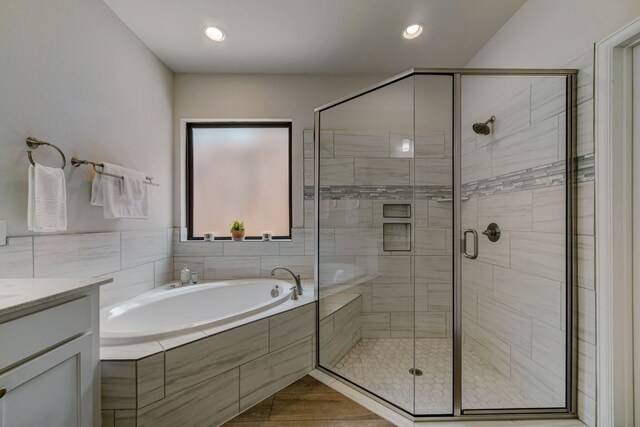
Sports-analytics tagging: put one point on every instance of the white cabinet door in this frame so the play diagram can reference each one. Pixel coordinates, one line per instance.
(52, 390)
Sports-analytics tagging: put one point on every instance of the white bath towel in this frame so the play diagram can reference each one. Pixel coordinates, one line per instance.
(120, 197)
(47, 209)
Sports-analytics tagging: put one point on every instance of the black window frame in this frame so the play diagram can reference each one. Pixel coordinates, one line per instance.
(189, 169)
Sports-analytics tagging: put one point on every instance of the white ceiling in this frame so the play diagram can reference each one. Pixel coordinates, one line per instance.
(313, 36)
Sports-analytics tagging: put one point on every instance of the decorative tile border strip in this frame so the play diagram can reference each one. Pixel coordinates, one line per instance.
(545, 176)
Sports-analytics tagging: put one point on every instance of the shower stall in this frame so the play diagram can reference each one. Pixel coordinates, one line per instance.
(444, 213)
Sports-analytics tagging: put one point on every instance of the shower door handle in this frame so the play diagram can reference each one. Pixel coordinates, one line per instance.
(475, 243)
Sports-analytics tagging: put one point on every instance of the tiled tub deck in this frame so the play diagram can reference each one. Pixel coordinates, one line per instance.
(204, 380)
(208, 377)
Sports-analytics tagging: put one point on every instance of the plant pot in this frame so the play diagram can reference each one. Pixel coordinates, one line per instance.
(237, 235)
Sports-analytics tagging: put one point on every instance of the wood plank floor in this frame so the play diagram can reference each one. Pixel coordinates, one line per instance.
(306, 403)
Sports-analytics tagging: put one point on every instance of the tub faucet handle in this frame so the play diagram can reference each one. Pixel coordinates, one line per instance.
(294, 294)
(296, 277)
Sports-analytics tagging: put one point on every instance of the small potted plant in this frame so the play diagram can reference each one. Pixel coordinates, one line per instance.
(237, 230)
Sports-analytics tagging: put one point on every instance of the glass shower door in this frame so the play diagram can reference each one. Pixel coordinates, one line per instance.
(514, 216)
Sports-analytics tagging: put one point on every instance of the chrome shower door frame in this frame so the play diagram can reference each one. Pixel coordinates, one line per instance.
(570, 408)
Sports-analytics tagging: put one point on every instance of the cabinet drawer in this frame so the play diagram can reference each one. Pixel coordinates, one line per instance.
(29, 335)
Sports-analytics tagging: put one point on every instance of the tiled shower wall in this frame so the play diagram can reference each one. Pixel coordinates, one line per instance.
(137, 260)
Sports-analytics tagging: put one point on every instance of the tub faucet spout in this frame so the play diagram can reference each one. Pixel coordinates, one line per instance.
(296, 277)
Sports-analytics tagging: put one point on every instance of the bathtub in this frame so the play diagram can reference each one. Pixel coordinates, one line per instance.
(163, 313)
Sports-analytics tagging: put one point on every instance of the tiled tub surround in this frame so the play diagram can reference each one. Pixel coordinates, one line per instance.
(137, 260)
(208, 377)
(340, 326)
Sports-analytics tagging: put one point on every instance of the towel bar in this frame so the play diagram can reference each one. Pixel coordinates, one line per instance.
(34, 143)
(77, 162)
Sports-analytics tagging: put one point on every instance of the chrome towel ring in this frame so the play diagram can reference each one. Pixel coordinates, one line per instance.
(34, 143)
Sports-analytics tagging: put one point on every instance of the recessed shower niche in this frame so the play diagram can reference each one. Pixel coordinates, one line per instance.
(428, 160)
(396, 236)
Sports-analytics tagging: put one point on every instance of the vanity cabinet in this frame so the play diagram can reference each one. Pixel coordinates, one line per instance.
(49, 363)
(52, 390)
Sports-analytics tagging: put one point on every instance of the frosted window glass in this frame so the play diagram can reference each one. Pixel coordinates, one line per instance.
(241, 173)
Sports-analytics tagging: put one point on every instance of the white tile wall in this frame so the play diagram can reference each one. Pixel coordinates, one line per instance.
(511, 211)
(346, 213)
(337, 171)
(137, 260)
(430, 145)
(476, 165)
(505, 323)
(250, 248)
(142, 246)
(433, 172)
(326, 143)
(361, 144)
(16, 258)
(534, 296)
(358, 241)
(549, 348)
(547, 98)
(511, 117)
(128, 283)
(76, 255)
(549, 213)
(369, 171)
(542, 385)
(535, 146)
(231, 267)
(302, 265)
(163, 271)
(541, 254)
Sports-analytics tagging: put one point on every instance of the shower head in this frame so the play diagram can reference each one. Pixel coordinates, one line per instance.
(483, 128)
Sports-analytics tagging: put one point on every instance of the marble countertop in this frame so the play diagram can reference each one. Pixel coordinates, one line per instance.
(17, 294)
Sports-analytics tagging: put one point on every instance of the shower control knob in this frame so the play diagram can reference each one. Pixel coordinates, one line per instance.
(492, 232)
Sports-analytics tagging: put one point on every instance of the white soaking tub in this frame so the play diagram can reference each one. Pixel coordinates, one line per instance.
(163, 312)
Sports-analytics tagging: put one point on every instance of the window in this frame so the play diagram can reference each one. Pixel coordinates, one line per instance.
(239, 171)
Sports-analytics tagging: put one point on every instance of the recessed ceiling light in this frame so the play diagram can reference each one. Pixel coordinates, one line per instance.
(412, 31)
(215, 34)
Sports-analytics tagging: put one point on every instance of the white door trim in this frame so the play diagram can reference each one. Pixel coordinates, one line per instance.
(614, 238)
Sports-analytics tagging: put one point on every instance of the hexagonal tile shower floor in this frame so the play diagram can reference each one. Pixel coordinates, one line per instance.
(382, 367)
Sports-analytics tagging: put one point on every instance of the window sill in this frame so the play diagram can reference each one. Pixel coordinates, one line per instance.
(235, 241)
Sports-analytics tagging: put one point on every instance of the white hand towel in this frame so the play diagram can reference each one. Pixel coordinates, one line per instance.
(123, 198)
(97, 196)
(47, 209)
(133, 187)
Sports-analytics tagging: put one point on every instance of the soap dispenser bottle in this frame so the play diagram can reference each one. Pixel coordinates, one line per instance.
(185, 275)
